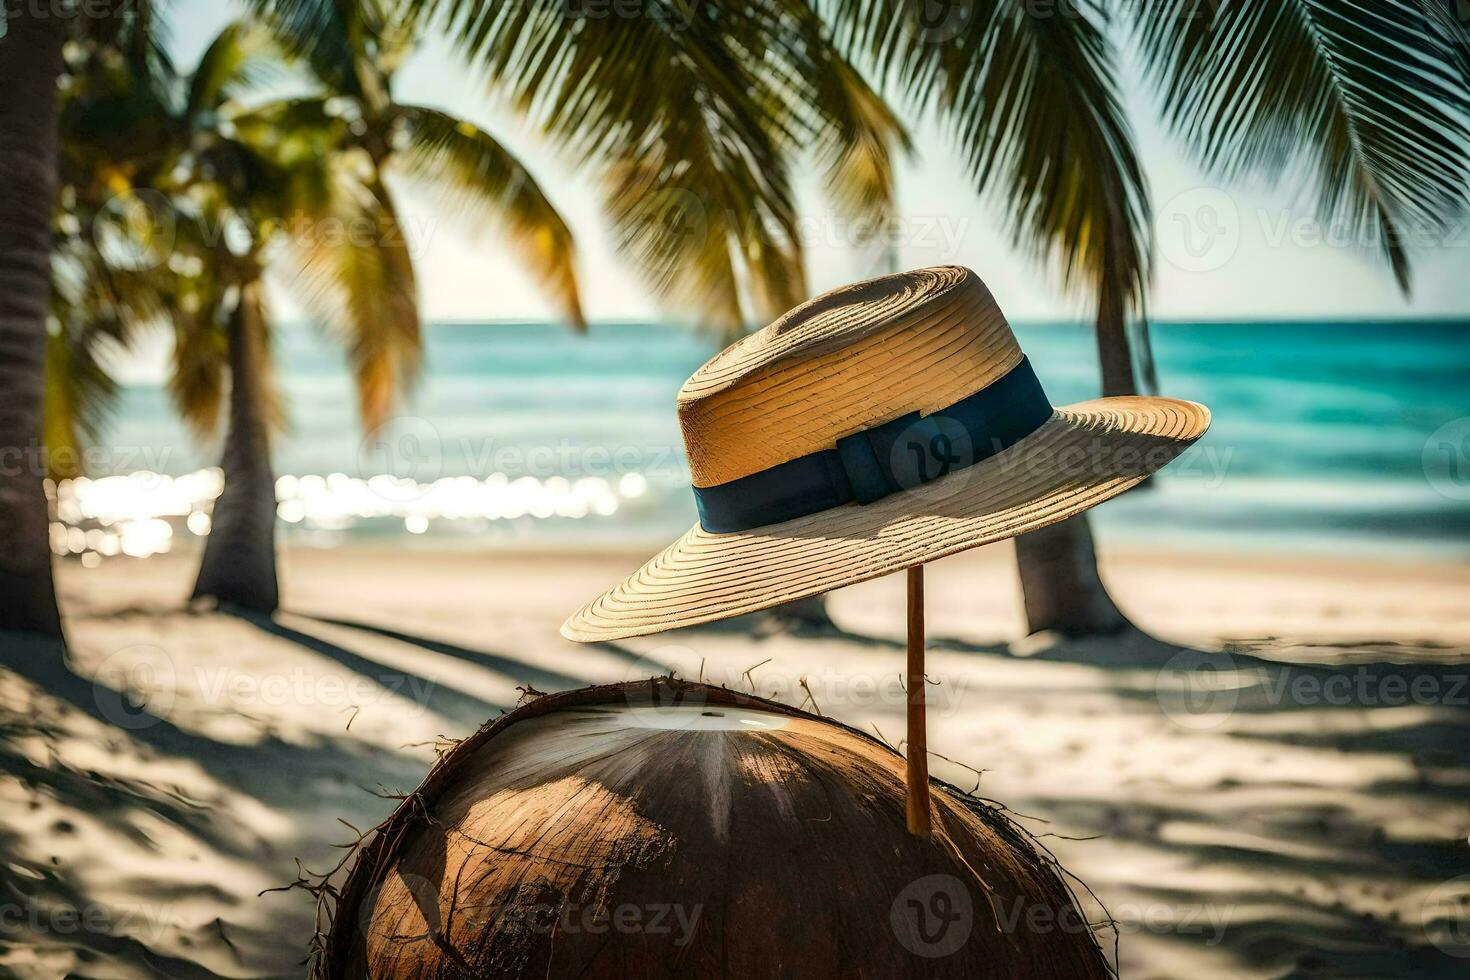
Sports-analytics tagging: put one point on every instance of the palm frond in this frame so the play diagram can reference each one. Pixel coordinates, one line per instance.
(360, 284)
(80, 398)
(856, 136)
(266, 397)
(688, 109)
(1369, 103)
(240, 57)
(340, 39)
(483, 182)
(1028, 94)
(197, 378)
(318, 32)
(858, 144)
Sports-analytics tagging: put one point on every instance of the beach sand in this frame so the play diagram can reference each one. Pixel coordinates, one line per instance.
(1294, 805)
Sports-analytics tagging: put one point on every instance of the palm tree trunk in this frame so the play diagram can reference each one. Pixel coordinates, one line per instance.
(30, 61)
(1114, 352)
(1060, 585)
(239, 566)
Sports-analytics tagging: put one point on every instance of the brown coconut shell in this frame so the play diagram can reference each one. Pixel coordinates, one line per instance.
(668, 829)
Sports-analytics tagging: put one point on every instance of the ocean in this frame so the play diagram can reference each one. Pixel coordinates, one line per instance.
(1328, 438)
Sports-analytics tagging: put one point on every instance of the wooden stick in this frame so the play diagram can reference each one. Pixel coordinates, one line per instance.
(918, 740)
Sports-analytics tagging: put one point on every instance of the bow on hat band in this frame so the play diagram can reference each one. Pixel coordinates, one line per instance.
(873, 463)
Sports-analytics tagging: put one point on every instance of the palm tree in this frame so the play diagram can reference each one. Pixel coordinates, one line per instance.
(30, 63)
(357, 135)
(141, 143)
(57, 310)
(480, 181)
(243, 186)
(1367, 107)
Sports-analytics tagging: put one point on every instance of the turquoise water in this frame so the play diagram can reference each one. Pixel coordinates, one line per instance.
(1318, 444)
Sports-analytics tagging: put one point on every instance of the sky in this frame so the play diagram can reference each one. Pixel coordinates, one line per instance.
(1233, 252)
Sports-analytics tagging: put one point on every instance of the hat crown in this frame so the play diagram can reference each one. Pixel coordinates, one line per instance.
(846, 360)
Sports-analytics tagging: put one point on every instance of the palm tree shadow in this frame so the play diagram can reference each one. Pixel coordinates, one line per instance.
(1130, 648)
(756, 626)
(287, 776)
(541, 677)
(251, 767)
(1294, 859)
(656, 668)
(465, 708)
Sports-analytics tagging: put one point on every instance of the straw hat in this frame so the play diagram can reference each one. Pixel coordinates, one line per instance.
(877, 427)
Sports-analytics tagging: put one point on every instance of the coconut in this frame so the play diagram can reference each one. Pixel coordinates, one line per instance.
(669, 829)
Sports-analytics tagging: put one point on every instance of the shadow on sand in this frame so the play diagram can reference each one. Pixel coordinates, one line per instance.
(48, 706)
(1245, 837)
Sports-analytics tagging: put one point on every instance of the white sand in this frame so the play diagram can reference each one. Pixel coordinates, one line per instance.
(1278, 817)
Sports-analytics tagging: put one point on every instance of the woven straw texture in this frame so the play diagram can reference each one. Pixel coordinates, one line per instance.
(847, 360)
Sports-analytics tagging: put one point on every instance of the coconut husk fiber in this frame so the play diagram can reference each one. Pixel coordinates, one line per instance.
(668, 829)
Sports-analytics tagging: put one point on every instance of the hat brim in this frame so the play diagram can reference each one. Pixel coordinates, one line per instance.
(1085, 454)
